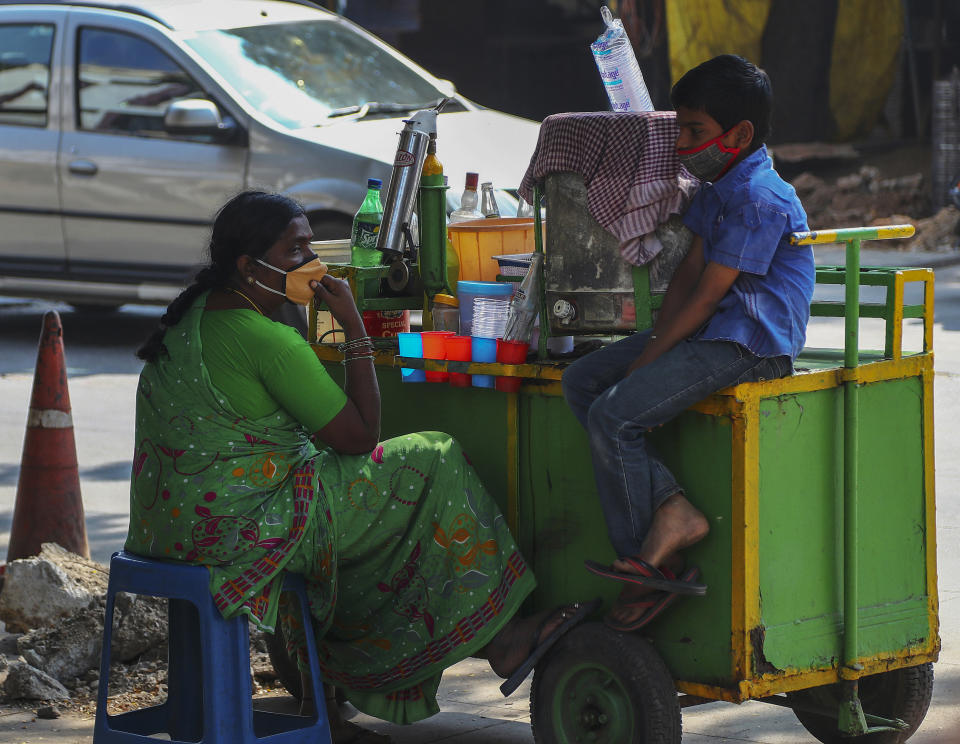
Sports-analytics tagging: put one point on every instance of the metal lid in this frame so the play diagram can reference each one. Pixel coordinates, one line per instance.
(445, 299)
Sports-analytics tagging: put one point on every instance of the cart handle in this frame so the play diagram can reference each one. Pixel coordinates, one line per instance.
(846, 234)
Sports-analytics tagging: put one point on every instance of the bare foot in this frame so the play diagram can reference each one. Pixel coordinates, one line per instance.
(677, 524)
(513, 644)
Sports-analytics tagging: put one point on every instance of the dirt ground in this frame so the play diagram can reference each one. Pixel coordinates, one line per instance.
(843, 186)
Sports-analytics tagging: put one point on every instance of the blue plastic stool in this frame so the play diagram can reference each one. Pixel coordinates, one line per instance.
(208, 677)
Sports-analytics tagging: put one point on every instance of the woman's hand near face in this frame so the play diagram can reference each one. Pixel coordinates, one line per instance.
(335, 294)
(356, 429)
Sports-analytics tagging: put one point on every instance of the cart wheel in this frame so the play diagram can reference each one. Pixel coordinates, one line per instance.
(603, 687)
(901, 693)
(286, 668)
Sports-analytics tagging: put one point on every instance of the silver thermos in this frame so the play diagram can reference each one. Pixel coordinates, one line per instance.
(405, 181)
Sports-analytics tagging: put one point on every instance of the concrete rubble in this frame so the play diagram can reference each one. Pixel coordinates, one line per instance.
(53, 606)
(866, 198)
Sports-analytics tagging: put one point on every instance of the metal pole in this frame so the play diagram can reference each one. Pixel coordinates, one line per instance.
(851, 358)
(538, 247)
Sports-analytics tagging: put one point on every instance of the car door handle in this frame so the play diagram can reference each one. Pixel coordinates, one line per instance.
(83, 167)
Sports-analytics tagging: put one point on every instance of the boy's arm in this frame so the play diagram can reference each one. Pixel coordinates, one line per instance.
(682, 282)
(686, 314)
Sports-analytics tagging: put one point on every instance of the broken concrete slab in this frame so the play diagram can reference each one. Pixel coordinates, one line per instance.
(41, 590)
(68, 650)
(25, 682)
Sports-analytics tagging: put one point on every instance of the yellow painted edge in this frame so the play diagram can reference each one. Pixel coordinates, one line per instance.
(889, 369)
(717, 405)
(745, 577)
(513, 463)
(917, 275)
(801, 679)
(930, 504)
(329, 353)
(928, 290)
(897, 316)
(710, 692)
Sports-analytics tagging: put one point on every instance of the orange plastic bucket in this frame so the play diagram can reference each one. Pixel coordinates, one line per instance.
(476, 242)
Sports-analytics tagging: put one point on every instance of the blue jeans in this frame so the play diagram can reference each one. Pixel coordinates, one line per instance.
(632, 481)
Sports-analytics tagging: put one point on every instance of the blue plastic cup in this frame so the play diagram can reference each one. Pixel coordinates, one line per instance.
(412, 346)
(483, 350)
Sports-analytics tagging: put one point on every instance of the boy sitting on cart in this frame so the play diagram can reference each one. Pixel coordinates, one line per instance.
(736, 310)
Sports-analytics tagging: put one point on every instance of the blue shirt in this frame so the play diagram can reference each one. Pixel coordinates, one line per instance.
(745, 220)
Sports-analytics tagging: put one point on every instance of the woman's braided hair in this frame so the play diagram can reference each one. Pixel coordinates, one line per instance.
(247, 225)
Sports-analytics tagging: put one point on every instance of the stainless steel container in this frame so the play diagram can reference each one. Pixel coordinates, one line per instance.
(402, 192)
(589, 287)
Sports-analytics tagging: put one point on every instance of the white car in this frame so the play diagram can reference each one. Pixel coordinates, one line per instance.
(124, 125)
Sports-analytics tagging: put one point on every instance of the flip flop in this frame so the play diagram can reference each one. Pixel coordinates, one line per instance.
(581, 610)
(655, 604)
(648, 575)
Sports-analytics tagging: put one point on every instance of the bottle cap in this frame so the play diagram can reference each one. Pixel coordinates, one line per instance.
(487, 184)
(472, 180)
(374, 183)
(445, 299)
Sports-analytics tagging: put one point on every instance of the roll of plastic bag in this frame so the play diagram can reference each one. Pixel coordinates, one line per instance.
(618, 67)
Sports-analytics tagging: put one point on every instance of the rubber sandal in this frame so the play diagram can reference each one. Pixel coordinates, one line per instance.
(648, 575)
(581, 610)
(655, 605)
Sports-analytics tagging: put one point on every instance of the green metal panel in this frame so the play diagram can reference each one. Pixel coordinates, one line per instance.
(800, 528)
(694, 636)
(561, 522)
(801, 525)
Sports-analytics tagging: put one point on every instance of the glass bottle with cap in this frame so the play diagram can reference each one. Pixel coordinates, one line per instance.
(366, 225)
(469, 202)
(488, 202)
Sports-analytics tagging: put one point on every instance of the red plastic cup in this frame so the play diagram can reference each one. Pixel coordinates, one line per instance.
(459, 350)
(435, 347)
(510, 352)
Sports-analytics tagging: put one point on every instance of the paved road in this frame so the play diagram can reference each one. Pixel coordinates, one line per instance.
(103, 371)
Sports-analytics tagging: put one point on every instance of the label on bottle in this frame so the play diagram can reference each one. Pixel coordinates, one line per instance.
(403, 159)
(364, 235)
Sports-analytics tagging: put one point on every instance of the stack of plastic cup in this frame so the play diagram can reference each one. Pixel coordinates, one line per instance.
(489, 316)
(483, 350)
(411, 346)
(510, 352)
(489, 320)
(458, 350)
(434, 347)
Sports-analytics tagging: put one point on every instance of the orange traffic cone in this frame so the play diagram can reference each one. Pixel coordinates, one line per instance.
(48, 507)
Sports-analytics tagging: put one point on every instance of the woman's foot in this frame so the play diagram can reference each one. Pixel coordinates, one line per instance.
(519, 637)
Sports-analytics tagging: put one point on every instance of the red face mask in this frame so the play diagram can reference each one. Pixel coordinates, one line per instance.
(710, 160)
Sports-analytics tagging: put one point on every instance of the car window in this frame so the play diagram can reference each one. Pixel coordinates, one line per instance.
(25, 51)
(298, 73)
(125, 85)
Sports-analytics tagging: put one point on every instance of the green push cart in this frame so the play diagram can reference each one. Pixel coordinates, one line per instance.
(821, 558)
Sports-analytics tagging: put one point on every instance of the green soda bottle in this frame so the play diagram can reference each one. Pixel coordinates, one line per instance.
(366, 227)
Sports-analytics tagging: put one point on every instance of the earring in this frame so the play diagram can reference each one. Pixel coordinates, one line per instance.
(250, 280)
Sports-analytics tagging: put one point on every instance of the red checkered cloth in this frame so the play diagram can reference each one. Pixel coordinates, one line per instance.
(629, 164)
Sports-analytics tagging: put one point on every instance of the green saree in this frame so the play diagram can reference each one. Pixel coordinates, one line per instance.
(409, 565)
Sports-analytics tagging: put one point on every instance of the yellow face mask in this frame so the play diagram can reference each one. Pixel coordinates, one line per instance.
(296, 282)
